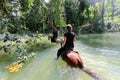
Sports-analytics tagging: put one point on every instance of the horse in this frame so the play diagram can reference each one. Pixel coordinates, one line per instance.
(73, 59)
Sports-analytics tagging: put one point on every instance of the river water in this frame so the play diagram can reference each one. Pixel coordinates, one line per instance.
(101, 60)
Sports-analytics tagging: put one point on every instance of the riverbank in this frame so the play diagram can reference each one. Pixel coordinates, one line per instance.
(21, 50)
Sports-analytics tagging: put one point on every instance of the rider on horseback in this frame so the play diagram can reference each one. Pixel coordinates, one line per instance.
(69, 38)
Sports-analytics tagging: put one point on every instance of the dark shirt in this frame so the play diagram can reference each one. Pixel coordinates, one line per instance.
(70, 40)
(55, 35)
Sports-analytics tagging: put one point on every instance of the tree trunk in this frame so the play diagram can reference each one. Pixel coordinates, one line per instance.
(102, 14)
(88, 14)
(112, 17)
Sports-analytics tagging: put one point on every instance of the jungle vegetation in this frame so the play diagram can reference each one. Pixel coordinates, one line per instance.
(28, 20)
(86, 16)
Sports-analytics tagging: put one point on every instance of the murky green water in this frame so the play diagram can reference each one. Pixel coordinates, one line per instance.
(45, 67)
(101, 60)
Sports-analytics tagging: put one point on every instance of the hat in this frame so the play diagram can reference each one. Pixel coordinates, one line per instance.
(69, 25)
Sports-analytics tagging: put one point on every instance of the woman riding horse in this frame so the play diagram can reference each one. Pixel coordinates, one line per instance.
(69, 39)
(71, 57)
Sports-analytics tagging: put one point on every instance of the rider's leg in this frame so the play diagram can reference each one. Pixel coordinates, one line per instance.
(59, 41)
(60, 51)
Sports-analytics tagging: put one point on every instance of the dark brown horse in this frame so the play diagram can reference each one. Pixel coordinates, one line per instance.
(73, 59)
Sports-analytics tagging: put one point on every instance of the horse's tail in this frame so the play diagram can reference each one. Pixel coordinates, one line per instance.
(92, 74)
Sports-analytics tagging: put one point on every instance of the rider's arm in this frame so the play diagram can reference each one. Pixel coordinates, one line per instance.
(64, 41)
(74, 39)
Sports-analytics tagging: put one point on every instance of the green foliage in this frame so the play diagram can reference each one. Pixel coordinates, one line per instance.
(71, 10)
(112, 13)
(26, 5)
(24, 49)
(54, 14)
(75, 13)
(116, 19)
(36, 15)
